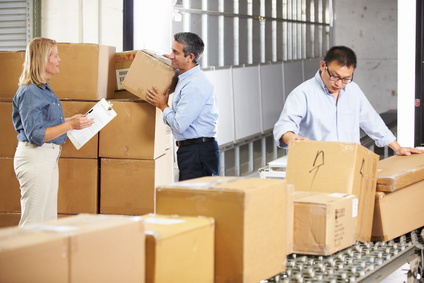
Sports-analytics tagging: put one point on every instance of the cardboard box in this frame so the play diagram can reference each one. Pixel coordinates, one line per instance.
(147, 70)
(137, 132)
(324, 223)
(123, 61)
(33, 256)
(78, 186)
(127, 186)
(397, 172)
(126, 95)
(250, 222)
(186, 242)
(398, 212)
(9, 219)
(102, 248)
(87, 72)
(9, 189)
(10, 71)
(336, 167)
(91, 148)
(9, 139)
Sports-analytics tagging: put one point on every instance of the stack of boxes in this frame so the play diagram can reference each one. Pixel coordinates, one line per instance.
(120, 166)
(398, 201)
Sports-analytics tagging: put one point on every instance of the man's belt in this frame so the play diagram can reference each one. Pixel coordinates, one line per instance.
(194, 141)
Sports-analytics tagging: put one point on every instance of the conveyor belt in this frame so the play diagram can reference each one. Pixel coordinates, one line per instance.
(362, 262)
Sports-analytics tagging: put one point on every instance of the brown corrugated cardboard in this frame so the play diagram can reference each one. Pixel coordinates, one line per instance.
(136, 132)
(78, 186)
(123, 61)
(9, 219)
(398, 212)
(10, 71)
(397, 172)
(336, 167)
(127, 186)
(33, 256)
(324, 223)
(87, 72)
(91, 148)
(9, 140)
(250, 222)
(186, 242)
(148, 70)
(102, 248)
(9, 188)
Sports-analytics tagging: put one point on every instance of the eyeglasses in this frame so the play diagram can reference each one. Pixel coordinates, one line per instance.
(335, 78)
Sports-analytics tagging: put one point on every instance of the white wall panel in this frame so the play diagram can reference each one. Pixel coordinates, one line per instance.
(247, 103)
(310, 68)
(272, 87)
(222, 81)
(293, 75)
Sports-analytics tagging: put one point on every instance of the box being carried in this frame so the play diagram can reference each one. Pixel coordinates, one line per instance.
(179, 248)
(336, 167)
(250, 222)
(324, 223)
(147, 70)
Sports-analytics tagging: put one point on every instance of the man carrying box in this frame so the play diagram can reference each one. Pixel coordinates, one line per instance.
(329, 107)
(194, 113)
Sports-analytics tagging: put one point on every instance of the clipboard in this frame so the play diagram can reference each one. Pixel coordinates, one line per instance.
(102, 113)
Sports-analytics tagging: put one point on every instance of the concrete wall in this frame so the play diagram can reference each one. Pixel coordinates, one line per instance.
(370, 29)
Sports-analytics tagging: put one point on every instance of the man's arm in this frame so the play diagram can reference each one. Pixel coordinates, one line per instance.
(287, 137)
(404, 150)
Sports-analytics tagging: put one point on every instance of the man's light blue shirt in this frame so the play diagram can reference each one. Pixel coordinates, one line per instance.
(312, 111)
(194, 112)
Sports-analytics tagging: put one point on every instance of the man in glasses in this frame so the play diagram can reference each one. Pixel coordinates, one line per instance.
(330, 107)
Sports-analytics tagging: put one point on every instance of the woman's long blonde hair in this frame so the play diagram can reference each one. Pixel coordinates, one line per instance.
(36, 58)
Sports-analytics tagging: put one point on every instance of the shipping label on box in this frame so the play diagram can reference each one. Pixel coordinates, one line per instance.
(123, 61)
(324, 223)
(147, 70)
(187, 242)
(336, 167)
(250, 222)
(397, 172)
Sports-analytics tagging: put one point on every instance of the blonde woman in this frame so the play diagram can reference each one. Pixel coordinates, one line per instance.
(38, 119)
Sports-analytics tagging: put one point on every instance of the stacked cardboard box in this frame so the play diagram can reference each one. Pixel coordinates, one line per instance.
(83, 248)
(398, 201)
(250, 222)
(336, 167)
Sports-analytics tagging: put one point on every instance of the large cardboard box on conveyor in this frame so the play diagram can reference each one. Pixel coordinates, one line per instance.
(10, 71)
(336, 167)
(397, 172)
(398, 212)
(179, 248)
(87, 72)
(147, 70)
(250, 222)
(324, 223)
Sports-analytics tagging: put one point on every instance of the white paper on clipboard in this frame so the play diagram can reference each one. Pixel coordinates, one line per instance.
(102, 113)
